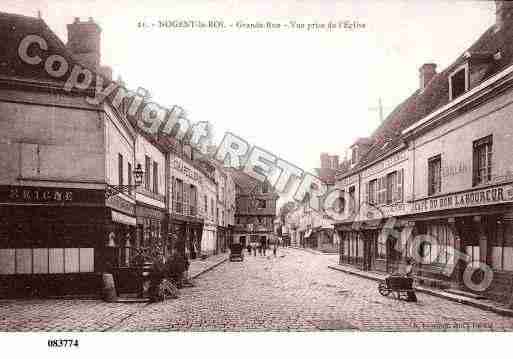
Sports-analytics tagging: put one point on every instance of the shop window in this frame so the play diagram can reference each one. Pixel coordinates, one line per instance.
(502, 247)
(434, 175)
(40, 260)
(444, 239)
(381, 251)
(482, 160)
(473, 253)
(46, 260)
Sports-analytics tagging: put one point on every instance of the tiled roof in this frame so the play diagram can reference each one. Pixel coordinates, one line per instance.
(13, 28)
(387, 136)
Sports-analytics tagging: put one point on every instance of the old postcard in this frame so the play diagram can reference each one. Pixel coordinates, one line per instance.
(255, 166)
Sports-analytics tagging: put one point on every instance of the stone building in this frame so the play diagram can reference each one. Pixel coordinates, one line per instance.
(60, 155)
(440, 166)
(255, 210)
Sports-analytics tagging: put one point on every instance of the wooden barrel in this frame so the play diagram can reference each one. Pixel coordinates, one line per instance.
(109, 287)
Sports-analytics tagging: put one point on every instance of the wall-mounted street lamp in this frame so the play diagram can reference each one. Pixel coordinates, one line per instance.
(138, 174)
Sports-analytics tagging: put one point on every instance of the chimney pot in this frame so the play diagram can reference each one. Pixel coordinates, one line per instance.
(426, 74)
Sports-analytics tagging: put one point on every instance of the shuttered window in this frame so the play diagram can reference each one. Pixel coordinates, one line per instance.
(147, 172)
(434, 175)
(372, 191)
(482, 160)
(155, 177)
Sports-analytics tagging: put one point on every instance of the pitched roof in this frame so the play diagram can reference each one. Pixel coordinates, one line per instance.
(13, 29)
(387, 137)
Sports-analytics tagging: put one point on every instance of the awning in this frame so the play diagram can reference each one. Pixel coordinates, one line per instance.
(123, 218)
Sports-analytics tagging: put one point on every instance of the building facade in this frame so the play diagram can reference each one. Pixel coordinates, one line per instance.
(255, 210)
(60, 156)
(433, 182)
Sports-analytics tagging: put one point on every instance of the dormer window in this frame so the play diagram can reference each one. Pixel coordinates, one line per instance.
(458, 82)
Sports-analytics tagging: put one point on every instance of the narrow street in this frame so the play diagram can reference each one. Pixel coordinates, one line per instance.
(294, 291)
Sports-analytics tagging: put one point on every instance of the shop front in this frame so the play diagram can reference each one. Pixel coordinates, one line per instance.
(55, 241)
(187, 232)
(470, 230)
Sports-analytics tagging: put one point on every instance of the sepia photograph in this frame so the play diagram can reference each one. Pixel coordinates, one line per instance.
(268, 169)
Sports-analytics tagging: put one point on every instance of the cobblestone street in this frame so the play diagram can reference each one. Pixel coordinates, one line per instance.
(294, 291)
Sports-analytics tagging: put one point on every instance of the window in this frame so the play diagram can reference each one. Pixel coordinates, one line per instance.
(261, 203)
(155, 177)
(372, 191)
(391, 186)
(178, 195)
(352, 191)
(193, 200)
(445, 243)
(46, 260)
(212, 208)
(265, 187)
(206, 204)
(482, 160)
(186, 197)
(120, 169)
(381, 251)
(458, 83)
(147, 172)
(129, 177)
(434, 175)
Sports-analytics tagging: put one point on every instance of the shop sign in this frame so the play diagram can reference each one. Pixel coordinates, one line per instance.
(24, 194)
(186, 170)
(488, 196)
(382, 165)
(121, 205)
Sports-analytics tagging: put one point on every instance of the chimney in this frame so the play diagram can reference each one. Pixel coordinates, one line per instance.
(426, 73)
(503, 14)
(84, 42)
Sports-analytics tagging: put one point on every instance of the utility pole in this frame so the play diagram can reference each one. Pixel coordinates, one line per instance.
(379, 108)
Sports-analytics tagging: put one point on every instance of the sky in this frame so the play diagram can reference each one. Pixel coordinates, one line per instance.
(293, 92)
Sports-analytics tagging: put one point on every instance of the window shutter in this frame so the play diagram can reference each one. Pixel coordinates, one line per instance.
(366, 198)
(380, 190)
(475, 169)
(400, 181)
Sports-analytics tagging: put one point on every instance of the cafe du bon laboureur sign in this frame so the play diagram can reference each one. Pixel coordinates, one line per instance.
(487, 196)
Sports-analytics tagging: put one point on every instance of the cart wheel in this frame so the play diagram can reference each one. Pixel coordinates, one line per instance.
(383, 289)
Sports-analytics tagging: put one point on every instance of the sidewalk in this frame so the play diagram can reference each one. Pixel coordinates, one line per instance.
(313, 251)
(483, 304)
(200, 266)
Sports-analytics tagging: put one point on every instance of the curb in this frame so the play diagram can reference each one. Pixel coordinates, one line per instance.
(313, 251)
(461, 300)
(209, 268)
